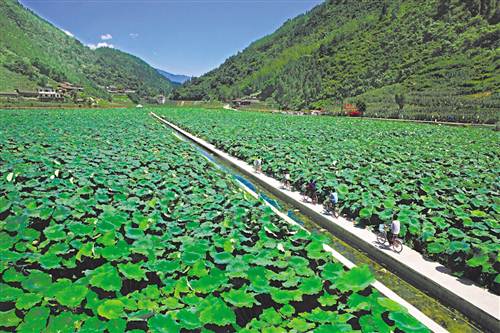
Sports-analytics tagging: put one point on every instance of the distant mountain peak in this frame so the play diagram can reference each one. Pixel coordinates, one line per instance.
(176, 78)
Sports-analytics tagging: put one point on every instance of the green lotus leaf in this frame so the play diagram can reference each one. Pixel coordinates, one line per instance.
(457, 246)
(223, 258)
(37, 281)
(478, 260)
(258, 281)
(9, 293)
(27, 301)
(283, 296)
(55, 232)
(50, 261)
(68, 293)
(270, 316)
(358, 302)
(163, 324)
(132, 271)
(217, 312)
(11, 275)
(311, 286)
(6, 241)
(117, 325)
(111, 309)
(287, 310)
(321, 316)
(4, 204)
(105, 277)
(300, 325)
(437, 246)
(210, 282)
(328, 299)
(456, 233)
(34, 321)
(374, 323)
(240, 298)
(93, 324)
(356, 279)
(64, 322)
(9, 318)
(61, 213)
(407, 323)
(478, 213)
(366, 213)
(188, 319)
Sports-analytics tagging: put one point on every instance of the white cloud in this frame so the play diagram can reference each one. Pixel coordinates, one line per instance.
(68, 33)
(101, 44)
(133, 35)
(106, 37)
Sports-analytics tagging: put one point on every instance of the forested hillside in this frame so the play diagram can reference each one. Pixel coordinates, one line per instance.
(33, 53)
(409, 58)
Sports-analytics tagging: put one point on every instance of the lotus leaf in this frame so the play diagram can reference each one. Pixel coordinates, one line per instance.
(240, 298)
(217, 312)
(163, 324)
(105, 277)
(111, 309)
(132, 271)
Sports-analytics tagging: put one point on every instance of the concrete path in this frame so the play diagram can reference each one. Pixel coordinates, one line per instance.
(417, 314)
(474, 301)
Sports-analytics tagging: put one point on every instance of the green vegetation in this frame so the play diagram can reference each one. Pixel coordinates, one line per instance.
(441, 56)
(34, 53)
(110, 223)
(441, 182)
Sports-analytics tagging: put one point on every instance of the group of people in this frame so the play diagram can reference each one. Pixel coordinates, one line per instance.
(330, 204)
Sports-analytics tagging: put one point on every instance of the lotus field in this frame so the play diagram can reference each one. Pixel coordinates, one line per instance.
(110, 223)
(441, 182)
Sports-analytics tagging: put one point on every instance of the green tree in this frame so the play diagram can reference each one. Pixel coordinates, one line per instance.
(400, 101)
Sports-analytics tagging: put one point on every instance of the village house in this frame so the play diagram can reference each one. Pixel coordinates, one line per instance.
(161, 99)
(242, 102)
(9, 94)
(68, 88)
(49, 94)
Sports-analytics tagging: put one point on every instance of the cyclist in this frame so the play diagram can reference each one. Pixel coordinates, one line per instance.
(257, 164)
(393, 233)
(286, 182)
(331, 202)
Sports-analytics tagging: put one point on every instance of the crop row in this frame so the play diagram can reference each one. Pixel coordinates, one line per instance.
(441, 182)
(109, 223)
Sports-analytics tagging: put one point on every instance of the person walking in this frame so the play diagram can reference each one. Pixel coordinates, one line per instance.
(311, 191)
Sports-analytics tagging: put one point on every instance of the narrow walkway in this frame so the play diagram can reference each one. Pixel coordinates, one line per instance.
(475, 302)
(417, 314)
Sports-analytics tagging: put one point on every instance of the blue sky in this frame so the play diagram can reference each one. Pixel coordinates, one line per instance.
(181, 36)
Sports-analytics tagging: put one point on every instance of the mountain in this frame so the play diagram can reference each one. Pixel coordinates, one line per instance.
(439, 56)
(176, 78)
(33, 52)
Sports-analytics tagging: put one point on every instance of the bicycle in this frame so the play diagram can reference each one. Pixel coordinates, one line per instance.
(330, 208)
(309, 197)
(396, 246)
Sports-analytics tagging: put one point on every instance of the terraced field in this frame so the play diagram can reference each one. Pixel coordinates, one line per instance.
(441, 182)
(109, 223)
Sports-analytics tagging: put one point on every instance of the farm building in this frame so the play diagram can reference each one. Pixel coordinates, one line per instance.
(9, 94)
(26, 93)
(49, 94)
(241, 102)
(67, 87)
(160, 99)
